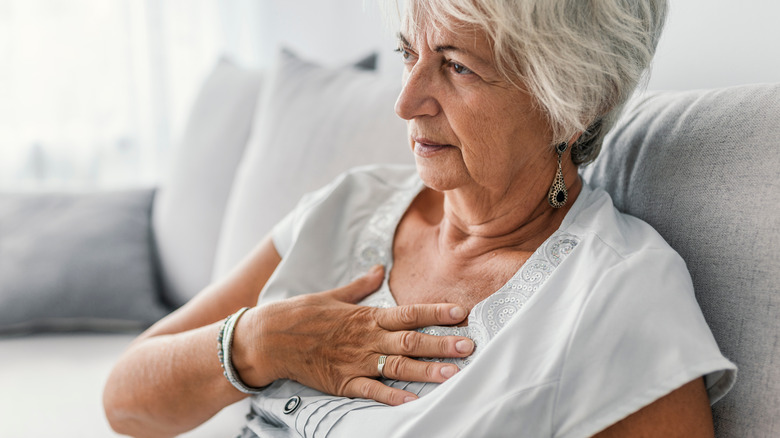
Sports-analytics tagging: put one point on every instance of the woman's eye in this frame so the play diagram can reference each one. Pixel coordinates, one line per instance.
(460, 69)
(405, 54)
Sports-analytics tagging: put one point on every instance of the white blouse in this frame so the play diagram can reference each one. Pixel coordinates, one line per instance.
(598, 323)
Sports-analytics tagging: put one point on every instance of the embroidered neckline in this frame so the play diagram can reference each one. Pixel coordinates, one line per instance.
(375, 246)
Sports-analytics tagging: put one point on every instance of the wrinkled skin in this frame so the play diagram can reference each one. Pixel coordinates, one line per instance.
(326, 342)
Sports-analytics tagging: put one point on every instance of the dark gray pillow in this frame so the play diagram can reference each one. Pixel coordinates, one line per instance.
(77, 262)
(702, 168)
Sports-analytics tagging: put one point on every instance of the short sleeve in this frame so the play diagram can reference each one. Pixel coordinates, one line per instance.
(639, 336)
(282, 232)
(285, 232)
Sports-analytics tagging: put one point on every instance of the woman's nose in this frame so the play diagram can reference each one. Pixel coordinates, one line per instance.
(418, 95)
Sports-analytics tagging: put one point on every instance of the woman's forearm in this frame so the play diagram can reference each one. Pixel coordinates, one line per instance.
(168, 384)
(170, 379)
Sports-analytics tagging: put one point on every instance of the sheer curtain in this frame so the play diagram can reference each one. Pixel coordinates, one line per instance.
(94, 92)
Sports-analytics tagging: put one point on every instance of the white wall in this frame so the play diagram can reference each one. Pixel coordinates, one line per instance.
(331, 32)
(707, 43)
(718, 43)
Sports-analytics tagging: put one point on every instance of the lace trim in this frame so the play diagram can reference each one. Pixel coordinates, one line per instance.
(489, 316)
(375, 243)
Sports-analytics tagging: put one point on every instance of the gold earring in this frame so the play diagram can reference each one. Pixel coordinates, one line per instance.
(558, 195)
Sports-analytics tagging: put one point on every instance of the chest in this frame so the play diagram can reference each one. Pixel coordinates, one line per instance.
(421, 273)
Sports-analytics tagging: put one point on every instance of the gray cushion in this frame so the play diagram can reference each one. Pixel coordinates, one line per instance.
(77, 261)
(702, 167)
(190, 205)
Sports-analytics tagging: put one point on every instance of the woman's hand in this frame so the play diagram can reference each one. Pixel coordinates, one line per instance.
(327, 342)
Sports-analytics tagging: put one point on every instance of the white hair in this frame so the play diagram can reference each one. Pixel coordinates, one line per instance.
(580, 59)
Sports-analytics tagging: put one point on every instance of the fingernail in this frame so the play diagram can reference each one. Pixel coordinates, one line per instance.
(464, 346)
(375, 270)
(448, 372)
(409, 399)
(458, 313)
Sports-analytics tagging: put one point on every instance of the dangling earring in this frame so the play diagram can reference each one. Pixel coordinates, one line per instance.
(558, 194)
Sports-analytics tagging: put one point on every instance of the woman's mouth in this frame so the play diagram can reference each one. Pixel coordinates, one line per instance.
(426, 148)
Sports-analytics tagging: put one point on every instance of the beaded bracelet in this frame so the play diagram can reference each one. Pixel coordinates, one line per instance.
(225, 344)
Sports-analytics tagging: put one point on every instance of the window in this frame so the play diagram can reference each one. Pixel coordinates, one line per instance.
(93, 92)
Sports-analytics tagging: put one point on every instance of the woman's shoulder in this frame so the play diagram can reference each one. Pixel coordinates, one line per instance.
(383, 176)
(637, 330)
(349, 200)
(369, 182)
(594, 216)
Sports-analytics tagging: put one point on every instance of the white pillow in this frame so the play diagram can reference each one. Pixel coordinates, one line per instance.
(190, 205)
(313, 124)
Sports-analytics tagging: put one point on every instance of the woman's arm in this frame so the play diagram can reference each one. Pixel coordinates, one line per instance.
(684, 413)
(170, 379)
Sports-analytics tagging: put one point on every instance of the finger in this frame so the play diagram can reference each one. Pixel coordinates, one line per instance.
(364, 387)
(361, 287)
(414, 316)
(416, 344)
(410, 370)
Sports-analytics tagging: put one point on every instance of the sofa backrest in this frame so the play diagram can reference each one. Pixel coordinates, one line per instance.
(313, 123)
(190, 203)
(702, 167)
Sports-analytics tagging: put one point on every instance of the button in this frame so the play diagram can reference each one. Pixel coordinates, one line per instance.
(292, 404)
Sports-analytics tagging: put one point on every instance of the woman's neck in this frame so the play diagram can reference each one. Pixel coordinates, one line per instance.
(475, 222)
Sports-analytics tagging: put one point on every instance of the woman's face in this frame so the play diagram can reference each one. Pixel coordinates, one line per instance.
(468, 126)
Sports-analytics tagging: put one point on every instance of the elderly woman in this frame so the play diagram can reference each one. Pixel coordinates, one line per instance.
(542, 311)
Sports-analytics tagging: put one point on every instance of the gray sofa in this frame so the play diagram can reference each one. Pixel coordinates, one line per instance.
(700, 166)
